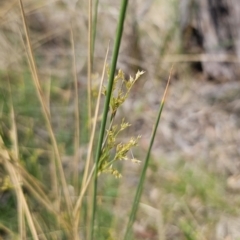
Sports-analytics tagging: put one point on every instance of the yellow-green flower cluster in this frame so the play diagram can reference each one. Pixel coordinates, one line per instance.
(113, 150)
(121, 94)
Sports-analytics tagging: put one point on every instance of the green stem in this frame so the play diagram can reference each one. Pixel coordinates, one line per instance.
(144, 169)
(140, 185)
(94, 26)
(107, 101)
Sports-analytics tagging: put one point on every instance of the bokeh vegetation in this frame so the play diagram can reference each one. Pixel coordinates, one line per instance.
(70, 100)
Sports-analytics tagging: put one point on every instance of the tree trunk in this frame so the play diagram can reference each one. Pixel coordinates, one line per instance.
(212, 27)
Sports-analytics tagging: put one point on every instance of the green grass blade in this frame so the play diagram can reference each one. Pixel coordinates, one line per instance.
(107, 101)
(76, 113)
(94, 27)
(90, 60)
(144, 169)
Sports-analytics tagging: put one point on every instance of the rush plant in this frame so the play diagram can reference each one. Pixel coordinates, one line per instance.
(50, 204)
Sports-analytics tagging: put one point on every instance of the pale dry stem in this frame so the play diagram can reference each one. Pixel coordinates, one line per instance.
(86, 181)
(76, 111)
(46, 113)
(89, 62)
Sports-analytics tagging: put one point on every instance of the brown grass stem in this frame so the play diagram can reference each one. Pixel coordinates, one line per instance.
(76, 113)
(46, 113)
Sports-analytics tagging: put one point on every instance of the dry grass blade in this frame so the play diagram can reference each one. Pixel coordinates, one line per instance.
(201, 58)
(90, 60)
(21, 198)
(76, 111)
(86, 180)
(144, 169)
(39, 228)
(117, 42)
(14, 140)
(78, 206)
(166, 89)
(8, 231)
(93, 132)
(46, 115)
(83, 190)
(17, 186)
(35, 188)
(14, 172)
(5, 9)
(95, 19)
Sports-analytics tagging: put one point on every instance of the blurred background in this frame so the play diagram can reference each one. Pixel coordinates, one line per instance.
(193, 182)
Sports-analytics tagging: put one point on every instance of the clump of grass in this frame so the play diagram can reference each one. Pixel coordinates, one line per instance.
(49, 204)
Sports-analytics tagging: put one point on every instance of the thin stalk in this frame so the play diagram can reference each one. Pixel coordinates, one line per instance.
(39, 229)
(77, 120)
(32, 185)
(90, 147)
(46, 113)
(90, 60)
(90, 150)
(8, 231)
(94, 28)
(79, 201)
(83, 190)
(106, 104)
(93, 131)
(19, 192)
(144, 169)
(14, 139)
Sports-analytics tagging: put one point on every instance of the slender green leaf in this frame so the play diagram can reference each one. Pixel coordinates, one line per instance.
(107, 100)
(144, 169)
